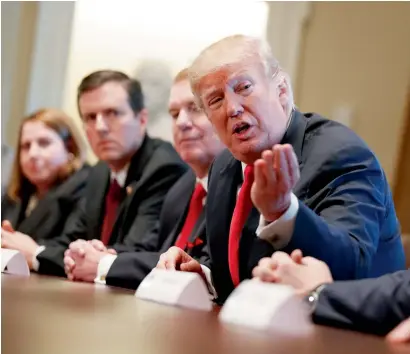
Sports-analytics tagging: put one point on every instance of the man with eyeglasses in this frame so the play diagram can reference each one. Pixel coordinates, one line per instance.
(126, 188)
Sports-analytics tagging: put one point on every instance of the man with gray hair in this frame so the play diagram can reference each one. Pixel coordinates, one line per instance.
(288, 180)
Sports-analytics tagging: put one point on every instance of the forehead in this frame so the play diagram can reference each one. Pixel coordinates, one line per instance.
(111, 94)
(35, 129)
(180, 93)
(227, 74)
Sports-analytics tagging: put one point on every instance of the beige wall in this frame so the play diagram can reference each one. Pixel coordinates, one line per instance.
(358, 55)
(18, 22)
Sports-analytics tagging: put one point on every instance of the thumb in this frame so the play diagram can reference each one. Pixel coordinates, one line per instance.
(191, 266)
(112, 251)
(297, 256)
(6, 225)
(309, 261)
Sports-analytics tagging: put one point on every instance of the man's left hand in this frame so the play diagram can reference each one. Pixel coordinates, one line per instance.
(19, 242)
(276, 174)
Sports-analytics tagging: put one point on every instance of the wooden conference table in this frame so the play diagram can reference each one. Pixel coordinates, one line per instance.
(47, 315)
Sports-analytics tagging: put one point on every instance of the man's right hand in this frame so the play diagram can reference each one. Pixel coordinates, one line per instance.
(176, 259)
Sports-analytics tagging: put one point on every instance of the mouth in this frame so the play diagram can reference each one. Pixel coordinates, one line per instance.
(240, 128)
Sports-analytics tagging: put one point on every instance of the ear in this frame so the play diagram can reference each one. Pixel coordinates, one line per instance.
(143, 117)
(283, 89)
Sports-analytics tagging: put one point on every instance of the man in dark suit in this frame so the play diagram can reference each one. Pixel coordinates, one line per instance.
(127, 187)
(182, 220)
(369, 305)
(289, 180)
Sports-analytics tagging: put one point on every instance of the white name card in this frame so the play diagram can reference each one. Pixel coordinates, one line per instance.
(15, 263)
(175, 288)
(267, 306)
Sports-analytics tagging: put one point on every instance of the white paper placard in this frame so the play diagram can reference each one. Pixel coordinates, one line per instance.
(15, 262)
(267, 306)
(175, 288)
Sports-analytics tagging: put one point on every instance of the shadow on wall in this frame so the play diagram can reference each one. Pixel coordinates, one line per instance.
(156, 80)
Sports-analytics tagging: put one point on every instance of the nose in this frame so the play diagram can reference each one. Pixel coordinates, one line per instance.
(34, 150)
(100, 124)
(183, 121)
(233, 105)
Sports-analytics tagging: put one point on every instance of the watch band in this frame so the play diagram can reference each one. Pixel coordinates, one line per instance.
(313, 297)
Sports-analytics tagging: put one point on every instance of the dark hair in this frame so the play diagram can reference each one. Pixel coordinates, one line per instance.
(99, 78)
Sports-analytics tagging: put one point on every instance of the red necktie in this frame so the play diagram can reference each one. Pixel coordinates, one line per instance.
(194, 211)
(112, 201)
(240, 214)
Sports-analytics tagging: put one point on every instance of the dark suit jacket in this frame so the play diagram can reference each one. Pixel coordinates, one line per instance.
(48, 219)
(370, 305)
(152, 172)
(130, 268)
(346, 215)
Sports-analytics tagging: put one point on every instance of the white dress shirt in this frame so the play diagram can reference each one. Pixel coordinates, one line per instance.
(120, 176)
(107, 261)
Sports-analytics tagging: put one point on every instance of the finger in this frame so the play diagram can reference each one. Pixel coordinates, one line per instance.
(401, 334)
(162, 261)
(297, 256)
(191, 266)
(69, 263)
(70, 276)
(112, 251)
(309, 261)
(281, 258)
(293, 165)
(98, 245)
(260, 178)
(77, 248)
(264, 274)
(281, 168)
(268, 263)
(268, 168)
(6, 225)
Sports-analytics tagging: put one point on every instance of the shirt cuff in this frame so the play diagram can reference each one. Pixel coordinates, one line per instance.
(279, 232)
(104, 267)
(34, 261)
(208, 277)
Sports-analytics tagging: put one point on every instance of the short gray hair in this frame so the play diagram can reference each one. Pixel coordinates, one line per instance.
(239, 47)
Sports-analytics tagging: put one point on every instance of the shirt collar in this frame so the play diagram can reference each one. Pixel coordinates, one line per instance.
(120, 176)
(203, 181)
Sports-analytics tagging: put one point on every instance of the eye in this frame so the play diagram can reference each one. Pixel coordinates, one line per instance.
(90, 117)
(215, 101)
(43, 142)
(244, 87)
(174, 114)
(25, 146)
(112, 113)
(194, 108)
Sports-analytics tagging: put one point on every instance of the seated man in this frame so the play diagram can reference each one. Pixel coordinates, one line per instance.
(288, 180)
(127, 187)
(369, 305)
(182, 221)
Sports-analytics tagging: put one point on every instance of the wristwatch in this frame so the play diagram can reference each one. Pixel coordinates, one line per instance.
(313, 297)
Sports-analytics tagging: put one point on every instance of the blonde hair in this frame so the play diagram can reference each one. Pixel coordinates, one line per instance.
(182, 75)
(239, 48)
(63, 126)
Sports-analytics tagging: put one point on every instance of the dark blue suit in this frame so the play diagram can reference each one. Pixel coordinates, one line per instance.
(346, 214)
(370, 305)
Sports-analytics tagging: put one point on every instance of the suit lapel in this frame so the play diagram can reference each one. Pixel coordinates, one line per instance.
(184, 197)
(14, 213)
(31, 224)
(222, 198)
(99, 183)
(131, 187)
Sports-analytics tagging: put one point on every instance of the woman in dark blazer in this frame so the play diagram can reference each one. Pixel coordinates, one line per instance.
(47, 180)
